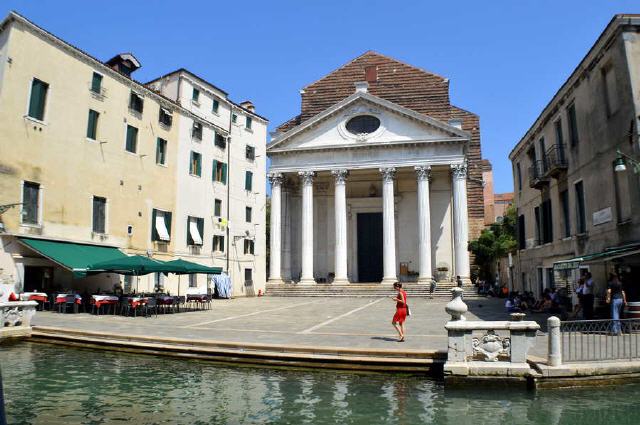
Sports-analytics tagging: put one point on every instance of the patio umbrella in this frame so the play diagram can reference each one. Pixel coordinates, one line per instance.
(134, 265)
(190, 267)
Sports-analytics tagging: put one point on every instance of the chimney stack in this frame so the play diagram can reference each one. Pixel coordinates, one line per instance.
(361, 86)
(247, 104)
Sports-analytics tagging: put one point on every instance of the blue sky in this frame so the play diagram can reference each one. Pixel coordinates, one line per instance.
(505, 59)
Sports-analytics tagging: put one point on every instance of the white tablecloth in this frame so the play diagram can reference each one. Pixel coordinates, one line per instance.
(25, 295)
(105, 297)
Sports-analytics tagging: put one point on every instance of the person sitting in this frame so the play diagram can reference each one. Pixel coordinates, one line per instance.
(511, 306)
(545, 306)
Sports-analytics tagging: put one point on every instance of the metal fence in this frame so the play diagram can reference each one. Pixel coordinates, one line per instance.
(596, 340)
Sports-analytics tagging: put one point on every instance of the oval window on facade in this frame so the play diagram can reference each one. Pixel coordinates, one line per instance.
(363, 124)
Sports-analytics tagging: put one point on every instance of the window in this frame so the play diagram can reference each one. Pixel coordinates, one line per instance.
(193, 281)
(573, 124)
(623, 201)
(234, 118)
(248, 277)
(543, 154)
(195, 230)
(519, 176)
(195, 165)
(38, 99)
(219, 172)
(136, 103)
(247, 214)
(196, 131)
(536, 213)
(558, 127)
(99, 214)
(248, 181)
(220, 141)
(217, 208)
(92, 125)
(248, 123)
(547, 221)
(160, 225)
(363, 124)
(132, 139)
(566, 217)
(96, 83)
(216, 106)
(250, 153)
(218, 243)
(581, 219)
(161, 151)
(249, 246)
(30, 203)
(165, 117)
(522, 240)
(610, 91)
(195, 95)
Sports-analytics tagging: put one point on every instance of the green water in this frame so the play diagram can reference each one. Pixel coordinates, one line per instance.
(54, 385)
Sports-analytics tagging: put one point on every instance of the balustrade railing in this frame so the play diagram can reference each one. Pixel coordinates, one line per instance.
(598, 340)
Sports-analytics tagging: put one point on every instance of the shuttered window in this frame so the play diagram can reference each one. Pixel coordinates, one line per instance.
(573, 124)
(581, 217)
(248, 122)
(132, 139)
(250, 153)
(92, 124)
(30, 202)
(217, 208)
(38, 99)
(99, 214)
(248, 181)
(247, 214)
(218, 243)
(161, 151)
(166, 217)
(196, 131)
(249, 246)
(136, 103)
(220, 141)
(195, 166)
(96, 83)
(165, 118)
(219, 173)
(216, 106)
(195, 95)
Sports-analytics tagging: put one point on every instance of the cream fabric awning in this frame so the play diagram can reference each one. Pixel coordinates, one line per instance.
(161, 228)
(195, 234)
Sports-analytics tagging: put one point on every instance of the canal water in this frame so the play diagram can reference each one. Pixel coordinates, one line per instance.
(47, 384)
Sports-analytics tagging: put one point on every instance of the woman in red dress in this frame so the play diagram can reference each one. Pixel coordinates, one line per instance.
(401, 310)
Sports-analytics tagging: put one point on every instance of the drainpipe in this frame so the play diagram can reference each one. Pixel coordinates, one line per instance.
(229, 187)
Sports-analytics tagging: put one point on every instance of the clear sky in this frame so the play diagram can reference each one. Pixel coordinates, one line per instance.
(505, 59)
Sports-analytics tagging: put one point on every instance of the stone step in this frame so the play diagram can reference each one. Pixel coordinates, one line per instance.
(363, 290)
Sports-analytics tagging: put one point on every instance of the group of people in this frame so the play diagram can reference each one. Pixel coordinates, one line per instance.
(551, 302)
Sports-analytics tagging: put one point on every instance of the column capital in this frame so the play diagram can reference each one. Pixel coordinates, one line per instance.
(423, 172)
(459, 171)
(275, 179)
(307, 177)
(388, 174)
(340, 176)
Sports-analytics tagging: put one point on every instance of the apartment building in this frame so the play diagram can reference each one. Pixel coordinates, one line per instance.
(578, 205)
(92, 160)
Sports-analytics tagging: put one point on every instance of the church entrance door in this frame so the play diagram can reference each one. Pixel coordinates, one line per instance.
(369, 247)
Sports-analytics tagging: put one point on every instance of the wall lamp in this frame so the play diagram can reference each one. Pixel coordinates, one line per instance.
(621, 160)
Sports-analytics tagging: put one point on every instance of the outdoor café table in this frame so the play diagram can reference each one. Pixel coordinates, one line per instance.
(40, 297)
(99, 300)
(165, 301)
(62, 299)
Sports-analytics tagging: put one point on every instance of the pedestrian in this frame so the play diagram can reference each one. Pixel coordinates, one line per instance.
(459, 281)
(401, 310)
(587, 296)
(616, 298)
(432, 289)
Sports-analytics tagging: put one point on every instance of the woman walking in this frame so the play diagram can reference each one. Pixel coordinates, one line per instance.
(401, 310)
(617, 299)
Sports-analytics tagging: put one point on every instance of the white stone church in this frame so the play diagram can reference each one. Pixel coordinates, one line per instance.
(367, 188)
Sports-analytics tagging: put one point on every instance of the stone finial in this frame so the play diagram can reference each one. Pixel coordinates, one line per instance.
(456, 307)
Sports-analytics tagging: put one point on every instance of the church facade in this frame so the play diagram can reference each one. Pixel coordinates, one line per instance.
(378, 179)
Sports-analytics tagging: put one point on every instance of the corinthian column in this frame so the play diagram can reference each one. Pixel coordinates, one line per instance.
(307, 227)
(340, 202)
(276, 229)
(388, 227)
(460, 221)
(424, 224)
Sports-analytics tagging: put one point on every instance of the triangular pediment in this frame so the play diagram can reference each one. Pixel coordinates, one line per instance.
(397, 125)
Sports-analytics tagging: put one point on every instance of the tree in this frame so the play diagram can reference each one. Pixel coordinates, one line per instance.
(495, 242)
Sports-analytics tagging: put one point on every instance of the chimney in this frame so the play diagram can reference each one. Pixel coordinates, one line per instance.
(124, 63)
(247, 104)
(361, 86)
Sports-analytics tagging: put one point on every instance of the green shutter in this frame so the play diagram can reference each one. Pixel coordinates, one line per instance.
(215, 168)
(167, 222)
(200, 224)
(154, 232)
(224, 173)
(92, 124)
(216, 105)
(189, 238)
(248, 181)
(38, 99)
(96, 83)
(198, 165)
(132, 136)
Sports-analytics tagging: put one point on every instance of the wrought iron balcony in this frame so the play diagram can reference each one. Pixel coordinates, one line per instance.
(538, 174)
(556, 161)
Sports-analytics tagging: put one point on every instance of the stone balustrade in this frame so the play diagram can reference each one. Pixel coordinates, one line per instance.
(15, 318)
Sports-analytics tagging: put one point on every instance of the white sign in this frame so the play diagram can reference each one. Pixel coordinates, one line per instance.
(602, 216)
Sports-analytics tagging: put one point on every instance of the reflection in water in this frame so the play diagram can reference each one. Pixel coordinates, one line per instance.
(53, 385)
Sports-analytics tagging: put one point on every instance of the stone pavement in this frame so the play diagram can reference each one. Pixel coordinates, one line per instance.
(321, 322)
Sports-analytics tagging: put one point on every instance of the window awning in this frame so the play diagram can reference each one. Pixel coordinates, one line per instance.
(606, 255)
(75, 257)
(161, 228)
(195, 234)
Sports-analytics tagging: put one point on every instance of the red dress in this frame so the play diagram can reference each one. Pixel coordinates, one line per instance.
(401, 309)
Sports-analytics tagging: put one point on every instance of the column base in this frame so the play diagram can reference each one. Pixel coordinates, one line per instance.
(307, 281)
(340, 282)
(275, 282)
(425, 280)
(389, 280)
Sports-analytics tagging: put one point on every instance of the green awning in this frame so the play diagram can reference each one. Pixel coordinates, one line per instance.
(190, 267)
(134, 265)
(606, 255)
(75, 257)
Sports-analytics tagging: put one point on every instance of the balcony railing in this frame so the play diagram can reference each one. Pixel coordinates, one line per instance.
(556, 161)
(538, 174)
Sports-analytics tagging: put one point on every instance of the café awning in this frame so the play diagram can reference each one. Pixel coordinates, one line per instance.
(134, 265)
(75, 257)
(192, 268)
(606, 255)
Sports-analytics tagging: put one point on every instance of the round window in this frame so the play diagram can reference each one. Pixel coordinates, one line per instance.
(363, 124)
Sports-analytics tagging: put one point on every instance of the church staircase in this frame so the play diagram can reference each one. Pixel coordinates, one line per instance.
(442, 292)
